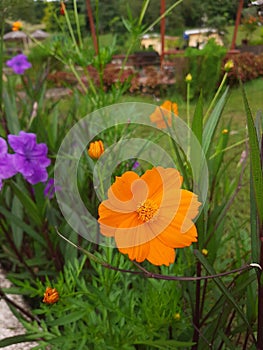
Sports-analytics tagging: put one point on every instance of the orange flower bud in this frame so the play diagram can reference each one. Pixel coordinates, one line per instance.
(51, 296)
(96, 149)
(17, 26)
(62, 8)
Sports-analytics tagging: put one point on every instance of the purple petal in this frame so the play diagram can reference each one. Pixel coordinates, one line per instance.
(19, 64)
(30, 158)
(3, 147)
(23, 165)
(22, 141)
(7, 169)
(39, 175)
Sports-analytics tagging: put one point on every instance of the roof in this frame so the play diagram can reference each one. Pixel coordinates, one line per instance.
(200, 31)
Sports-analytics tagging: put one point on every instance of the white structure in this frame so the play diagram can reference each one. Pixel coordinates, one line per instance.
(199, 37)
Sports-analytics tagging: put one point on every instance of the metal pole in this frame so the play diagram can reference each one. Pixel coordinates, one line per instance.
(238, 17)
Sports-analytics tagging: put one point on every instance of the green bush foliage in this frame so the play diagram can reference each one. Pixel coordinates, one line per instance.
(205, 67)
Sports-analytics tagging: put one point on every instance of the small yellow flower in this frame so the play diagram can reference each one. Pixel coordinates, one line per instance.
(204, 252)
(51, 296)
(96, 149)
(177, 316)
(17, 26)
(225, 131)
(188, 78)
(229, 65)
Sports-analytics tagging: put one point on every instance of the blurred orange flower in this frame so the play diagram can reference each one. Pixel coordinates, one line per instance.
(96, 149)
(62, 8)
(17, 26)
(51, 296)
(149, 216)
(162, 114)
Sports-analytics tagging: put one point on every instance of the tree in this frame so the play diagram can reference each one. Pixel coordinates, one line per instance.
(19, 10)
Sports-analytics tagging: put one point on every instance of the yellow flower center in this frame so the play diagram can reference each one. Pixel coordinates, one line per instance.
(147, 210)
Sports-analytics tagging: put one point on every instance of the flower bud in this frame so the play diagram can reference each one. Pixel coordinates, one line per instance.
(96, 149)
(204, 252)
(51, 296)
(229, 65)
(17, 26)
(188, 78)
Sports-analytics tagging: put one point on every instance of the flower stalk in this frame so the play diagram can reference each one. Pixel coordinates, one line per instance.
(213, 102)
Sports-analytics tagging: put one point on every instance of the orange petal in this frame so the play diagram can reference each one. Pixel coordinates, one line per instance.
(138, 253)
(122, 186)
(160, 254)
(133, 235)
(113, 218)
(173, 237)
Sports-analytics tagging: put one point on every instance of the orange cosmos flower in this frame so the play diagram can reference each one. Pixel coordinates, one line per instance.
(96, 149)
(17, 26)
(150, 215)
(51, 296)
(164, 112)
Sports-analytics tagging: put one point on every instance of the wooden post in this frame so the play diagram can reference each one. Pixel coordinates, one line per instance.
(92, 26)
(238, 17)
(162, 30)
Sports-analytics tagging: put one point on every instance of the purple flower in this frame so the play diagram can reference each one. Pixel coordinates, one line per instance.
(19, 63)
(30, 158)
(7, 169)
(135, 165)
(50, 189)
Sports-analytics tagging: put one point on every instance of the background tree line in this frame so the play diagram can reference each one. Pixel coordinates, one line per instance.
(189, 14)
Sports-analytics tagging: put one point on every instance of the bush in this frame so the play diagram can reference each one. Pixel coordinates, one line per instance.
(205, 67)
(247, 66)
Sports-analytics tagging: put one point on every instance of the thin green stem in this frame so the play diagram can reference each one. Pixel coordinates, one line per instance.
(188, 103)
(73, 69)
(71, 32)
(162, 16)
(228, 148)
(77, 24)
(215, 97)
(143, 11)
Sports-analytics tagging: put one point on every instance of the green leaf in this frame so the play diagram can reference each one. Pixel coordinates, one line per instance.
(212, 122)
(17, 232)
(27, 202)
(255, 241)
(21, 338)
(165, 344)
(256, 168)
(72, 317)
(11, 113)
(222, 288)
(197, 124)
(26, 228)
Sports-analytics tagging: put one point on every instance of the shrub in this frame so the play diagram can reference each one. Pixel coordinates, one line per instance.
(247, 66)
(205, 67)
